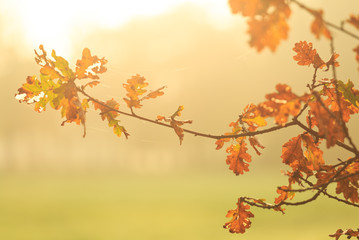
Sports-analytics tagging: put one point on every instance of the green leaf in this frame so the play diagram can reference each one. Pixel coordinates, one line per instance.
(348, 93)
(63, 66)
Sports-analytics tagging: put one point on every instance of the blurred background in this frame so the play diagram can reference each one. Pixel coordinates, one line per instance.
(56, 185)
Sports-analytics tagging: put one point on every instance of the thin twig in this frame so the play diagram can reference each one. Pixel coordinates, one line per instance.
(340, 28)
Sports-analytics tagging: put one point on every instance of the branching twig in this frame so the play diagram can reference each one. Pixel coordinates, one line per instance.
(340, 28)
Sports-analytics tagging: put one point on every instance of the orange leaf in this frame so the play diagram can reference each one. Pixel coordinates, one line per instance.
(247, 7)
(220, 142)
(89, 66)
(318, 26)
(356, 50)
(251, 116)
(282, 104)
(267, 24)
(240, 218)
(348, 186)
(327, 124)
(292, 152)
(237, 157)
(306, 55)
(354, 20)
(154, 94)
(176, 124)
(332, 61)
(313, 152)
(255, 143)
(267, 31)
(284, 195)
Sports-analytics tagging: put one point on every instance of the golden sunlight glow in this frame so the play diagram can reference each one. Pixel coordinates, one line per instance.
(54, 23)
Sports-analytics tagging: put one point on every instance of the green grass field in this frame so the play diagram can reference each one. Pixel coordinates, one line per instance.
(113, 206)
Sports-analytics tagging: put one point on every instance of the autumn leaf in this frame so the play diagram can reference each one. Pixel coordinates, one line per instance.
(281, 104)
(313, 153)
(337, 234)
(154, 94)
(71, 105)
(178, 112)
(220, 142)
(292, 152)
(248, 8)
(62, 65)
(318, 26)
(332, 61)
(343, 108)
(303, 162)
(91, 84)
(251, 116)
(354, 20)
(176, 124)
(327, 124)
(135, 87)
(284, 194)
(268, 31)
(356, 50)
(306, 55)
(267, 23)
(89, 66)
(107, 113)
(37, 92)
(56, 68)
(255, 143)
(349, 93)
(239, 218)
(238, 157)
(348, 186)
(348, 233)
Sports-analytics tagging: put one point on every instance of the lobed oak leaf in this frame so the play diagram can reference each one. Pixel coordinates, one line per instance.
(89, 66)
(354, 20)
(349, 93)
(267, 31)
(267, 24)
(318, 26)
(343, 108)
(251, 116)
(107, 112)
(39, 92)
(62, 65)
(292, 155)
(154, 94)
(327, 124)
(337, 234)
(282, 104)
(135, 87)
(348, 186)
(71, 106)
(247, 7)
(313, 153)
(292, 152)
(284, 194)
(238, 158)
(306, 55)
(348, 233)
(240, 218)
